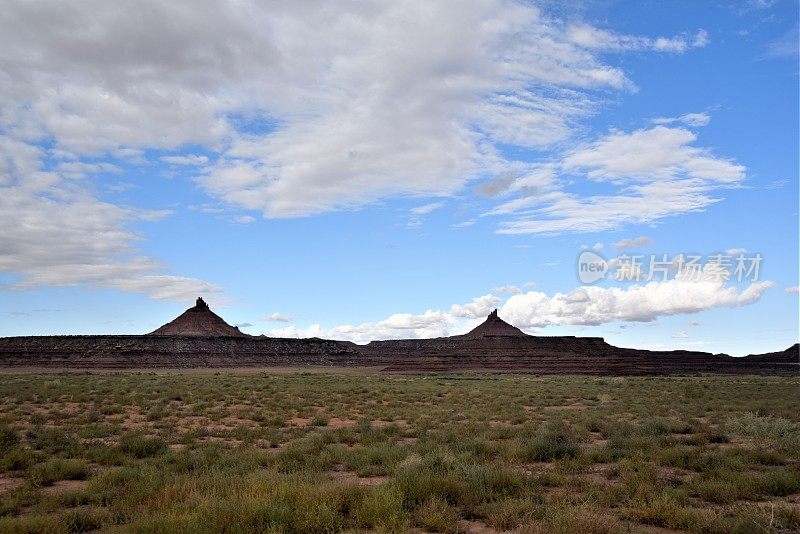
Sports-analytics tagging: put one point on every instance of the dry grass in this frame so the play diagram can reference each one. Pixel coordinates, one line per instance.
(311, 452)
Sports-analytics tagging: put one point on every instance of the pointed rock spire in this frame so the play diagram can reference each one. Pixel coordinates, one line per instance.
(494, 326)
(198, 321)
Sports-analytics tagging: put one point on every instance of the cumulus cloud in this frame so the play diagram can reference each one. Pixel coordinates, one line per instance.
(309, 108)
(64, 236)
(305, 110)
(479, 307)
(636, 242)
(593, 305)
(793, 290)
(586, 305)
(397, 326)
(658, 174)
(683, 334)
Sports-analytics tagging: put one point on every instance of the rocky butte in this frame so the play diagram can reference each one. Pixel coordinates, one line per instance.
(198, 321)
(200, 338)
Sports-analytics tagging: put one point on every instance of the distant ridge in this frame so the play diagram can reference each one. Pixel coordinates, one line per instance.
(198, 321)
(494, 326)
(199, 338)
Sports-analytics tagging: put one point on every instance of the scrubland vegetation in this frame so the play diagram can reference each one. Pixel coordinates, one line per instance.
(305, 452)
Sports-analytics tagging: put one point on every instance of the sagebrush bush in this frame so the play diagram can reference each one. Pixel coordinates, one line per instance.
(58, 469)
(139, 446)
(553, 443)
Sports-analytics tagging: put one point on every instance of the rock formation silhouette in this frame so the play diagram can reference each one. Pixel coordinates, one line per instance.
(494, 326)
(198, 321)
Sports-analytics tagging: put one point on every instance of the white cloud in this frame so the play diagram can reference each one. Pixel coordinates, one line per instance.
(658, 174)
(426, 208)
(586, 305)
(188, 159)
(735, 251)
(397, 326)
(351, 103)
(304, 110)
(64, 236)
(514, 290)
(419, 212)
(244, 219)
(479, 307)
(595, 38)
(681, 335)
(785, 47)
(657, 153)
(80, 169)
(598, 247)
(689, 119)
(593, 305)
(278, 317)
(793, 290)
(636, 242)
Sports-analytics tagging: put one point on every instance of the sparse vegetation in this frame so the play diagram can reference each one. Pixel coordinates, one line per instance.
(312, 452)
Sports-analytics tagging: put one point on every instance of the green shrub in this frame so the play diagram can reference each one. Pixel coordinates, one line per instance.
(8, 439)
(58, 469)
(139, 446)
(553, 444)
(18, 459)
(382, 509)
(53, 441)
(437, 516)
(84, 519)
(766, 430)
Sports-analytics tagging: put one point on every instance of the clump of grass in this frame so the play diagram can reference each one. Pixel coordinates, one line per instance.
(509, 514)
(58, 469)
(767, 430)
(18, 459)
(382, 509)
(664, 510)
(139, 446)
(568, 519)
(52, 440)
(84, 519)
(320, 419)
(437, 516)
(8, 439)
(555, 443)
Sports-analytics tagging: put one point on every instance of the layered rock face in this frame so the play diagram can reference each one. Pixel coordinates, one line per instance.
(167, 351)
(199, 338)
(496, 345)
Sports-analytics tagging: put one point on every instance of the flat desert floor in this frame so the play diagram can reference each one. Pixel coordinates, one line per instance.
(296, 451)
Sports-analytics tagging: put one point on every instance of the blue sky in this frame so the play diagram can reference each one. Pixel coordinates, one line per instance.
(390, 170)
